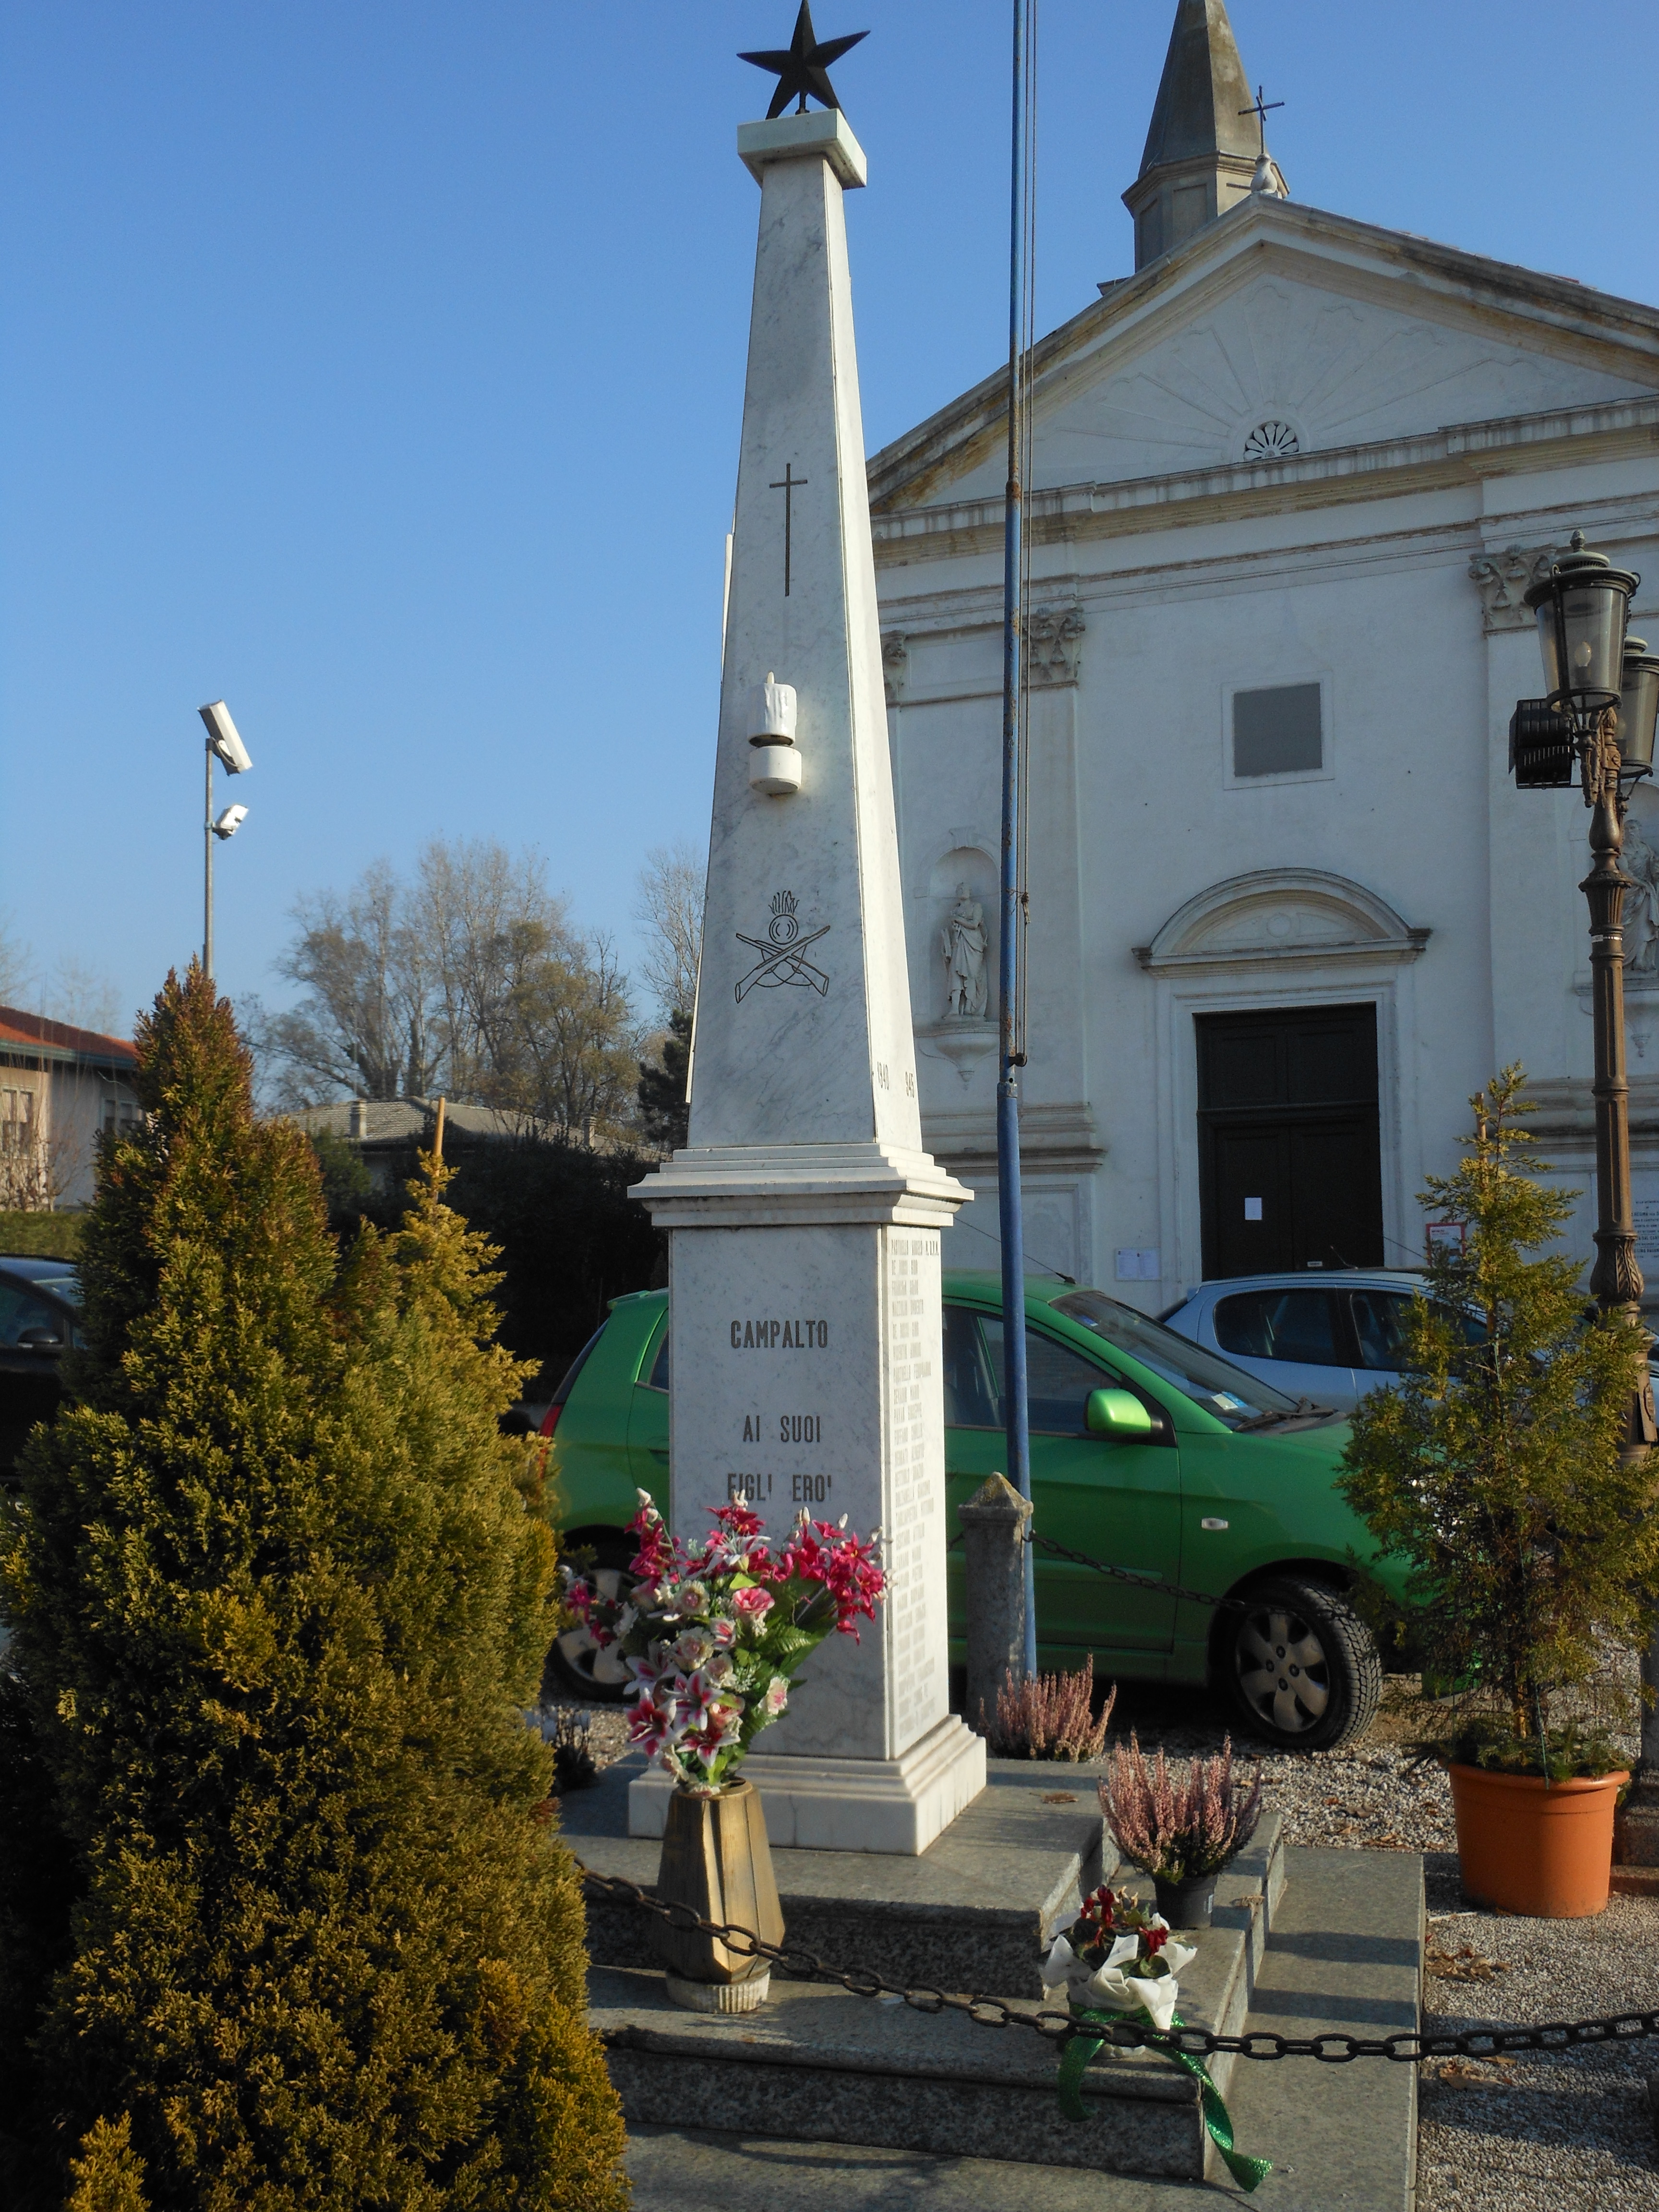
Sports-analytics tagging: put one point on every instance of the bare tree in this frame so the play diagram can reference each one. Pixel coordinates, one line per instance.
(471, 980)
(38, 1158)
(669, 906)
(84, 996)
(367, 1023)
(68, 990)
(16, 965)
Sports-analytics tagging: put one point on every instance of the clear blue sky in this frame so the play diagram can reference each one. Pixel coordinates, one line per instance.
(378, 366)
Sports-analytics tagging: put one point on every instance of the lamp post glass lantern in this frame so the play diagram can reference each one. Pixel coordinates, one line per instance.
(226, 746)
(1602, 689)
(1639, 708)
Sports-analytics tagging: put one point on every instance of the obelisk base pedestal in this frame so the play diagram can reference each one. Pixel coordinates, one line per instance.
(893, 1805)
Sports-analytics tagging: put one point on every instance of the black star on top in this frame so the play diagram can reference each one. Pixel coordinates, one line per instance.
(804, 65)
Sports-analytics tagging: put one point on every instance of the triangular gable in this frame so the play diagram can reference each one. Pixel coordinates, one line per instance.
(1280, 330)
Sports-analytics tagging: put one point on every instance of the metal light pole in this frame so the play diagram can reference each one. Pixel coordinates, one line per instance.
(223, 743)
(1010, 1059)
(1595, 727)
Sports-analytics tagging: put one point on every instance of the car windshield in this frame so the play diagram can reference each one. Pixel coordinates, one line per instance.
(1222, 1389)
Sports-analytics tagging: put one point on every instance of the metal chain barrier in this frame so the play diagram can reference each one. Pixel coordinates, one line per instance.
(1405, 2045)
(1139, 1580)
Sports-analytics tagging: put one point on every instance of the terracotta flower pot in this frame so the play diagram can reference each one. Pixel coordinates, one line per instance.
(716, 1859)
(1545, 1852)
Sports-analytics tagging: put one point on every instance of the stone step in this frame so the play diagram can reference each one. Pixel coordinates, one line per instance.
(818, 2064)
(1345, 1956)
(976, 1910)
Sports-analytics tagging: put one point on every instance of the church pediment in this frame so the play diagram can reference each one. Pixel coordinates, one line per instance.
(1281, 368)
(1260, 340)
(1279, 914)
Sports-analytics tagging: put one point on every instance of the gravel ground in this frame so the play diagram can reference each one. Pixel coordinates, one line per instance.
(1559, 2133)
(1366, 1797)
(1571, 2132)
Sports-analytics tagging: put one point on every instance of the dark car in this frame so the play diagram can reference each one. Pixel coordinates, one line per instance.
(40, 1302)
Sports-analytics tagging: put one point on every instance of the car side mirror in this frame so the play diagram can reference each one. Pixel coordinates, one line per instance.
(1117, 1413)
(40, 1339)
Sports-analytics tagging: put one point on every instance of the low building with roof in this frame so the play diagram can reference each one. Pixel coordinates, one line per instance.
(59, 1086)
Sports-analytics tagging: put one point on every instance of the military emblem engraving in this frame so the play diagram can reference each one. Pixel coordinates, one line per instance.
(782, 953)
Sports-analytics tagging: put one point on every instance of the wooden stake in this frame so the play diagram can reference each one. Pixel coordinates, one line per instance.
(438, 1139)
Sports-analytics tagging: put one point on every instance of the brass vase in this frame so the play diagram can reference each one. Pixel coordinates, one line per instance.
(716, 1860)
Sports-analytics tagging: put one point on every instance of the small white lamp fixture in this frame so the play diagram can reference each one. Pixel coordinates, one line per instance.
(230, 821)
(774, 760)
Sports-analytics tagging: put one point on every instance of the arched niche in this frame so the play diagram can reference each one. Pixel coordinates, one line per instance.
(971, 868)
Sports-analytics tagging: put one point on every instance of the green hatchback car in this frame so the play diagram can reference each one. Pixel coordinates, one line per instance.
(1188, 1471)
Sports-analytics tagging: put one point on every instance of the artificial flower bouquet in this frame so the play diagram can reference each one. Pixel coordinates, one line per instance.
(713, 1637)
(1120, 1958)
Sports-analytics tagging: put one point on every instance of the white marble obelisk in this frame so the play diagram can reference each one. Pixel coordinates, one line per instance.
(805, 1218)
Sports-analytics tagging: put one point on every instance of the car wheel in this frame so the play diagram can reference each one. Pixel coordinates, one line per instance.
(577, 1667)
(1300, 1665)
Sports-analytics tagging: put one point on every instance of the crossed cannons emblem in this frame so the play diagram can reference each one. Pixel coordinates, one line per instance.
(782, 953)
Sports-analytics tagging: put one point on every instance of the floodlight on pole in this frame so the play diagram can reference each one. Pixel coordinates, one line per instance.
(221, 736)
(226, 746)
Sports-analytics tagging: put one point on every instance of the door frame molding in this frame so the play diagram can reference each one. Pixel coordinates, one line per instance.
(1221, 953)
(1387, 987)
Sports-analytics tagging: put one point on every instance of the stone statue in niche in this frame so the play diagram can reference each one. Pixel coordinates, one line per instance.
(965, 942)
(1640, 862)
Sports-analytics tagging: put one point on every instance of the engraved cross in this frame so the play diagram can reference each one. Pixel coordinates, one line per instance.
(788, 483)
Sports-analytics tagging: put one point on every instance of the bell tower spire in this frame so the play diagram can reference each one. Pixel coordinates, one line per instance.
(1204, 150)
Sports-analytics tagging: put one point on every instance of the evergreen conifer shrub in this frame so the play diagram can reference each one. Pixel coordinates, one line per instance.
(1498, 1468)
(277, 1602)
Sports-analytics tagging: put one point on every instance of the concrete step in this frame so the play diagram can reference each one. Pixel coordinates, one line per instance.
(817, 2064)
(974, 1911)
(1345, 1956)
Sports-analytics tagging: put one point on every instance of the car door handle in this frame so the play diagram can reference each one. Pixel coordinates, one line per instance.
(659, 1451)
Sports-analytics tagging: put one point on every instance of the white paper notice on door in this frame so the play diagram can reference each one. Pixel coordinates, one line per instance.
(1253, 1209)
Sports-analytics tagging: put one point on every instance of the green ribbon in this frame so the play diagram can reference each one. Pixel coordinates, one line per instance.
(1074, 2064)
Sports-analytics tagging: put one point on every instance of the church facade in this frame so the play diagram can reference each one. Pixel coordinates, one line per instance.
(1289, 481)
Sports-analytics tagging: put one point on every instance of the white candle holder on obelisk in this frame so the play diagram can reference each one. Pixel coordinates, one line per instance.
(804, 1217)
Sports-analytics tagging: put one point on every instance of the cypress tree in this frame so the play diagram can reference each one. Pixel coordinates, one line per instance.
(277, 1600)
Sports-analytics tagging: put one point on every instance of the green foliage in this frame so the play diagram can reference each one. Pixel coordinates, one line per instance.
(108, 2174)
(41, 1235)
(1478, 1738)
(346, 1182)
(664, 1107)
(571, 1240)
(276, 1602)
(1495, 1468)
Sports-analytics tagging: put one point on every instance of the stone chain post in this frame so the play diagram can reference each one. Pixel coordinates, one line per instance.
(994, 1540)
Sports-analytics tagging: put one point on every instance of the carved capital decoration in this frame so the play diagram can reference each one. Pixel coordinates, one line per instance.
(1054, 646)
(895, 665)
(1502, 580)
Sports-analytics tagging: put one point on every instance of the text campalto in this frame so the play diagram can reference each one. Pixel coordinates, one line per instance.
(779, 1336)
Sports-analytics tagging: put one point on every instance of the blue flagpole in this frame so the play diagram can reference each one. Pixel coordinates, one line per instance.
(1009, 1057)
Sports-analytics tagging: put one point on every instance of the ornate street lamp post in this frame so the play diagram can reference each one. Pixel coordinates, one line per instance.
(1594, 726)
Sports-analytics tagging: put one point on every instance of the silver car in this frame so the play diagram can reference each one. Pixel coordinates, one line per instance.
(1330, 1335)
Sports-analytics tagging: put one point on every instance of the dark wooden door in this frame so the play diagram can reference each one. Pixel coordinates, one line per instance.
(1290, 1171)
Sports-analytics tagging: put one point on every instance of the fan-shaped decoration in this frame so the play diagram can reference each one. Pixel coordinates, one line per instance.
(1270, 441)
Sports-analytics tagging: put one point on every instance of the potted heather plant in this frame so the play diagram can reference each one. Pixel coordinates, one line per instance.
(713, 1637)
(1499, 1469)
(1182, 1833)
